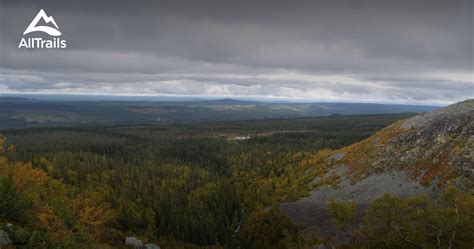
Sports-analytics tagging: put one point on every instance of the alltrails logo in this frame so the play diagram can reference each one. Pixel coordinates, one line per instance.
(38, 42)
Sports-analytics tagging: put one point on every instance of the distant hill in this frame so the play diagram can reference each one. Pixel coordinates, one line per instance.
(227, 101)
(367, 108)
(16, 112)
(15, 99)
(419, 155)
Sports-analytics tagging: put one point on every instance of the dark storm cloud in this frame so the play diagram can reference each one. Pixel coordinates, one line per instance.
(402, 51)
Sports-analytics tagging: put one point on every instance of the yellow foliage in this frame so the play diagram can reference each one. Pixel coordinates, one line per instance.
(2, 143)
(34, 184)
(53, 223)
(91, 211)
(11, 149)
(342, 213)
(3, 160)
(27, 178)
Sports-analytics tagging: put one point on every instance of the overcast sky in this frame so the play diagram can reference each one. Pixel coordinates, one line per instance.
(405, 51)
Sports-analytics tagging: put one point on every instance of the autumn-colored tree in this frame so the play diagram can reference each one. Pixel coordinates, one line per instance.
(421, 222)
(12, 203)
(54, 224)
(92, 212)
(270, 229)
(2, 143)
(342, 214)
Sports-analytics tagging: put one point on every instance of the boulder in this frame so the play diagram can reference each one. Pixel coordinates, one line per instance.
(133, 242)
(320, 246)
(152, 246)
(337, 157)
(4, 239)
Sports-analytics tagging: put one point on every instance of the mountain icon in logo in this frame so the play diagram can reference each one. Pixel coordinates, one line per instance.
(47, 29)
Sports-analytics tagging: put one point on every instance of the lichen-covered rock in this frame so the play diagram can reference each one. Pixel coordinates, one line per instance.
(411, 157)
(337, 157)
(319, 246)
(4, 239)
(434, 146)
(152, 246)
(133, 242)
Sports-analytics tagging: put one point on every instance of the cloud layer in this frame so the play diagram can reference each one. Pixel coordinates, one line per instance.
(375, 50)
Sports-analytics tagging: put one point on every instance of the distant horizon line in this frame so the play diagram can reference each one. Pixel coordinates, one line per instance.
(176, 97)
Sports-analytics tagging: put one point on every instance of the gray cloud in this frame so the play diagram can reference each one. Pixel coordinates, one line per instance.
(395, 51)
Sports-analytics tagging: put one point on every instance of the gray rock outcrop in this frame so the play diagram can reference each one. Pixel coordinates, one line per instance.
(4, 239)
(319, 246)
(407, 158)
(133, 242)
(152, 246)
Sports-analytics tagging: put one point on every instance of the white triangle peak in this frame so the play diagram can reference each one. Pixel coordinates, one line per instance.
(47, 29)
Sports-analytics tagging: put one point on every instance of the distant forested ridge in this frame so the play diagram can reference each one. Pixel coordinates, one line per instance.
(36, 111)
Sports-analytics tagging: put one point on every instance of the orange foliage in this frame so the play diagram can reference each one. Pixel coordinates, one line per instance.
(430, 171)
(26, 177)
(91, 211)
(11, 149)
(2, 143)
(361, 154)
(54, 224)
(33, 184)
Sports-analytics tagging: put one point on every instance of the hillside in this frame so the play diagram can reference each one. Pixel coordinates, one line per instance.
(418, 156)
(431, 148)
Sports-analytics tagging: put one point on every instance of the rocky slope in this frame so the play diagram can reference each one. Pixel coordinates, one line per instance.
(414, 156)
